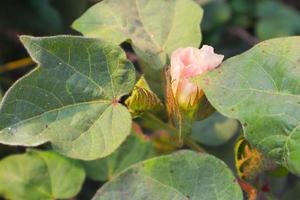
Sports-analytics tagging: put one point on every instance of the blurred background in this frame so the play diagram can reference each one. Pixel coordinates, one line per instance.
(231, 26)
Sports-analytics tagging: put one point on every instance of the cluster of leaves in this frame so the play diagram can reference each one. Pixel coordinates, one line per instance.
(73, 103)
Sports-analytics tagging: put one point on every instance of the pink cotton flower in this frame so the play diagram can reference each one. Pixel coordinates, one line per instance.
(190, 62)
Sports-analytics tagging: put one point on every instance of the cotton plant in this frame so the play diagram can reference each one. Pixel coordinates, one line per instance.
(132, 126)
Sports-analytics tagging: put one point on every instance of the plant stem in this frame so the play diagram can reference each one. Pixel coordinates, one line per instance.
(24, 62)
(193, 145)
(156, 123)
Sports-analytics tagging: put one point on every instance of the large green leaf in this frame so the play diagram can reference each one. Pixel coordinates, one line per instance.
(261, 88)
(182, 175)
(154, 27)
(133, 150)
(71, 99)
(40, 175)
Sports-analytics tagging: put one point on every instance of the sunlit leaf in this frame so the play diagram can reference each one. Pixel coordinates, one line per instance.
(181, 176)
(261, 88)
(71, 98)
(40, 175)
(154, 27)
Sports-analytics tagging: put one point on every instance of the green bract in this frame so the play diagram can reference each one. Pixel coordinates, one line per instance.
(182, 175)
(153, 27)
(39, 175)
(71, 98)
(261, 88)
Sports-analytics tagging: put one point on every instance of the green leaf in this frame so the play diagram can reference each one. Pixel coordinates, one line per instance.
(40, 175)
(182, 175)
(71, 99)
(261, 89)
(215, 130)
(133, 150)
(154, 27)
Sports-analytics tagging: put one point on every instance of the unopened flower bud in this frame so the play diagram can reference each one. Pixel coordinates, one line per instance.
(187, 63)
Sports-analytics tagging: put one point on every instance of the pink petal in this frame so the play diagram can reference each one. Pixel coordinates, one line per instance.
(189, 62)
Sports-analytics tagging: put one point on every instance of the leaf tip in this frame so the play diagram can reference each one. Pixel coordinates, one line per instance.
(76, 25)
(25, 39)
